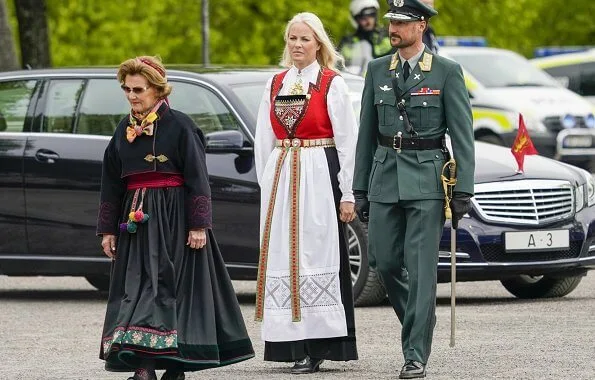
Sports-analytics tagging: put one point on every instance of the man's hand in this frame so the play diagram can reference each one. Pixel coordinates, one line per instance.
(460, 204)
(362, 205)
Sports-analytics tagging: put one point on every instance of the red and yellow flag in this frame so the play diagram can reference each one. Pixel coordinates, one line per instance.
(522, 145)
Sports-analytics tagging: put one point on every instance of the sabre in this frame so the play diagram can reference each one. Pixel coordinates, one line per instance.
(448, 184)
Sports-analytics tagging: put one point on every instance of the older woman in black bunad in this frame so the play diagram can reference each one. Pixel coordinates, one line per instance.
(171, 303)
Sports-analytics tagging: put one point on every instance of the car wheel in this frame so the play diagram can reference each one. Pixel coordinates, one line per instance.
(367, 289)
(99, 281)
(525, 286)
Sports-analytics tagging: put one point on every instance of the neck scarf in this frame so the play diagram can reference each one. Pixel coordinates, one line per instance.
(146, 125)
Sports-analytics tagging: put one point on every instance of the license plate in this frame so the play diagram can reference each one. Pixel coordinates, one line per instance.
(536, 240)
(577, 141)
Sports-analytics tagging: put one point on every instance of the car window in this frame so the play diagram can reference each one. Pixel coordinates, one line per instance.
(250, 94)
(15, 97)
(204, 107)
(568, 76)
(102, 107)
(502, 69)
(62, 98)
(587, 87)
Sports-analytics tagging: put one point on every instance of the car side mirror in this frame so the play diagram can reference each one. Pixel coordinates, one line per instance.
(222, 142)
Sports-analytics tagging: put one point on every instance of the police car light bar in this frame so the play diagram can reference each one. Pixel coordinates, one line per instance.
(462, 41)
(547, 51)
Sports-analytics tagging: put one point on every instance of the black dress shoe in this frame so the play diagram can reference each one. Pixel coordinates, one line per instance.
(413, 370)
(173, 375)
(306, 365)
(144, 374)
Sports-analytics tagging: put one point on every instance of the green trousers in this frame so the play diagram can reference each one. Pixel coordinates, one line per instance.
(403, 247)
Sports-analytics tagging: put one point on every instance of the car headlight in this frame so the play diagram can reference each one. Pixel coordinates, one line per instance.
(579, 198)
(587, 189)
(568, 121)
(590, 121)
(590, 190)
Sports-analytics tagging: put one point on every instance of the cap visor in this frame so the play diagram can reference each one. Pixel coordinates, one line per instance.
(399, 17)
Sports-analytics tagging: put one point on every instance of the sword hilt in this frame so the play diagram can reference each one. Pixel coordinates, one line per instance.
(449, 181)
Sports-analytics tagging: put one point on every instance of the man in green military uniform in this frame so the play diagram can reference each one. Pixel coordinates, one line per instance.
(410, 101)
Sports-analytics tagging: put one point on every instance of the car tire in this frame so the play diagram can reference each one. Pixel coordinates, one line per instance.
(367, 289)
(101, 282)
(541, 286)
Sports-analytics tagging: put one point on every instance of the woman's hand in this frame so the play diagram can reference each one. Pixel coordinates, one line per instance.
(108, 242)
(197, 238)
(347, 211)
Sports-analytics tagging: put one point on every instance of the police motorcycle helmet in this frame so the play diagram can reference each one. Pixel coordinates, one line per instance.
(360, 8)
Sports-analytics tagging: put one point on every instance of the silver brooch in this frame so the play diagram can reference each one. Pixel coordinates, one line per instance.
(398, 3)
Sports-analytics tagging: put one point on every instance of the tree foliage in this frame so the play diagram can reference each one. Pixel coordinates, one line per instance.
(91, 32)
(519, 25)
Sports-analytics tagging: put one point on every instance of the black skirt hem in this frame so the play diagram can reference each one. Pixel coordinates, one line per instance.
(127, 359)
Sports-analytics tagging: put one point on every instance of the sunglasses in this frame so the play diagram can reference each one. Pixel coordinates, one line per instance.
(136, 90)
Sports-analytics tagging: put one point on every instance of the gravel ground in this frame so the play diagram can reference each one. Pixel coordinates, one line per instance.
(51, 329)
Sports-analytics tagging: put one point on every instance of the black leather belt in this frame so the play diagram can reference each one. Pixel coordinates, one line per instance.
(398, 142)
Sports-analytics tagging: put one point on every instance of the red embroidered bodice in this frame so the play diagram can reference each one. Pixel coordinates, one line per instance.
(312, 121)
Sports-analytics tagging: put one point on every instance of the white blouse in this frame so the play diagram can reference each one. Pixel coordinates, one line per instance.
(340, 112)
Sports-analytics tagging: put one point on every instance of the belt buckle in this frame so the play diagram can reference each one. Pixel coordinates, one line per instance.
(286, 143)
(397, 138)
(296, 143)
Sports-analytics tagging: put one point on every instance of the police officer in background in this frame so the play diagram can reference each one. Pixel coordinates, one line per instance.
(368, 42)
(429, 38)
(409, 102)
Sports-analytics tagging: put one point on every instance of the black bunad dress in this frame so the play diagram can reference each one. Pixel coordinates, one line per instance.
(167, 302)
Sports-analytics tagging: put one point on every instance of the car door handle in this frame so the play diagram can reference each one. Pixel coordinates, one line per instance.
(47, 156)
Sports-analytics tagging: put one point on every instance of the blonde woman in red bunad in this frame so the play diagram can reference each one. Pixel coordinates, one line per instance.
(304, 150)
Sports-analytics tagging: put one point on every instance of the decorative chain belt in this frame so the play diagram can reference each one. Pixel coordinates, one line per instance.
(305, 143)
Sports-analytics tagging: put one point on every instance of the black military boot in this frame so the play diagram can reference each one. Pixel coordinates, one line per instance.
(306, 365)
(413, 370)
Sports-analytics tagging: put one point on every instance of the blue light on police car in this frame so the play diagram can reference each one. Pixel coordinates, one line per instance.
(547, 51)
(590, 121)
(568, 121)
(462, 41)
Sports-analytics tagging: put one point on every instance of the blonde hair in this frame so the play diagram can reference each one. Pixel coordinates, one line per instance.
(327, 56)
(149, 67)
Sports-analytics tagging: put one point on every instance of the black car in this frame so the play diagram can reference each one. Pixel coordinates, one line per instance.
(534, 231)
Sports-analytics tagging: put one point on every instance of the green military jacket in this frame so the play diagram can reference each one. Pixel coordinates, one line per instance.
(437, 102)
